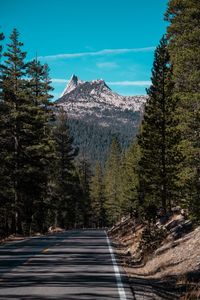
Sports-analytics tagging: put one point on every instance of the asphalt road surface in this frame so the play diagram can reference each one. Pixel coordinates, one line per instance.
(78, 264)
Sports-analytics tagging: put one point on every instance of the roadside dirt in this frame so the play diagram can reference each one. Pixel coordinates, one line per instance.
(17, 237)
(159, 267)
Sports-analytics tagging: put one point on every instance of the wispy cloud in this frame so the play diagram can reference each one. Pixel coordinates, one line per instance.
(97, 53)
(130, 83)
(141, 83)
(59, 80)
(107, 65)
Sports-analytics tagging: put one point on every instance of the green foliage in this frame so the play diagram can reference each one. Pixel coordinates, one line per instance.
(5, 181)
(64, 174)
(97, 197)
(95, 140)
(184, 48)
(43, 182)
(39, 182)
(39, 148)
(151, 239)
(112, 183)
(184, 34)
(16, 128)
(159, 137)
(129, 179)
(84, 204)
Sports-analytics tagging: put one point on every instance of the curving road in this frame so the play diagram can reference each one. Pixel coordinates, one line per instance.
(78, 264)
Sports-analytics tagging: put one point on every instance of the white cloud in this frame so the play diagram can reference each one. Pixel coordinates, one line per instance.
(142, 83)
(97, 53)
(107, 65)
(59, 80)
(130, 83)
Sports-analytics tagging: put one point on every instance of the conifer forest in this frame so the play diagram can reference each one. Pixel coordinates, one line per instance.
(45, 180)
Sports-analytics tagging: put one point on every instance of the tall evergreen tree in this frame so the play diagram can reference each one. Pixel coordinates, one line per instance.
(97, 197)
(27, 142)
(84, 173)
(183, 33)
(14, 95)
(65, 206)
(130, 179)
(184, 46)
(39, 148)
(38, 180)
(5, 182)
(112, 181)
(159, 138)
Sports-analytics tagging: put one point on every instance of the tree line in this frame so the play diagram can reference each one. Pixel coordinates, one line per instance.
(39, 182)
(42, 181)
(161, 168)
(94, 140)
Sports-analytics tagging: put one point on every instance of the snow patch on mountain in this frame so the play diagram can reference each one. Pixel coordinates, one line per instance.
(95, 101)
(96, 114)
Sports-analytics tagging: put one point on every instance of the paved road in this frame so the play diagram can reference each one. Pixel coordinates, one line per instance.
(76, 264)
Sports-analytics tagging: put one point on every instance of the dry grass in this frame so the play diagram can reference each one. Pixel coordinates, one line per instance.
(175, 263)
(174, 258)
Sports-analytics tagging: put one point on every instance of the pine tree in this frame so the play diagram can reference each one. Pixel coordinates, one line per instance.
(25, 92)
(5, 181)
(97, 197)
(130, 179)
(183, 33)
(112, 183)
(65, 206)
(84, 204)
(14, 95)
(159, 137)
(184, 47)
(39, 148)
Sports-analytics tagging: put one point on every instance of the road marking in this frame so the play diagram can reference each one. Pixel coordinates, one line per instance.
(28, 261)
(120, 287)
(45, 250)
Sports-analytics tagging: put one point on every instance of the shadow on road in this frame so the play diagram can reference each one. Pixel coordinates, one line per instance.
(69, 266)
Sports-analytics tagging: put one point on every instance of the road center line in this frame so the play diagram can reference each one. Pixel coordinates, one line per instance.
(28, 261)
(45, 250)
(120, 287)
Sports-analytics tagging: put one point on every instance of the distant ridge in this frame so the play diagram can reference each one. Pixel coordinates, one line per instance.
(93, 104)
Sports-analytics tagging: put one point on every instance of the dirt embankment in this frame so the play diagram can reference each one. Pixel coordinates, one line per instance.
(162, 260)
(19, 237)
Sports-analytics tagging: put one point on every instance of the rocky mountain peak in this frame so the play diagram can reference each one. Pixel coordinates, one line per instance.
(86, 95)
(96, 113)
(72, 84)
(75, 83)
(74, 79)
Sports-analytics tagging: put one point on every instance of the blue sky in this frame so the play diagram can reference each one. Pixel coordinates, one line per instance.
(112, 40)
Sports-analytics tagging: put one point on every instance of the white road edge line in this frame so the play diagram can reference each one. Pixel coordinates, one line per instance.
(120, 287)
